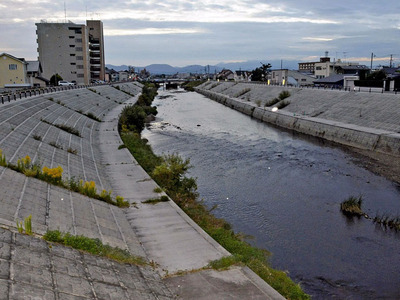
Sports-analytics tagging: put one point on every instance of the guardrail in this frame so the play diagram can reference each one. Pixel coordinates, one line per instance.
(38, 91)
(7, 97)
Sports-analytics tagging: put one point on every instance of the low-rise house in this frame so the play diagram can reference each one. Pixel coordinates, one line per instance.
(13, 72)
(34, 73)
(20, 73)
(225, 74)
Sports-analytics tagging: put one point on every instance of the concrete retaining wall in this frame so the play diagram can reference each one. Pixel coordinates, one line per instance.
(346, 134)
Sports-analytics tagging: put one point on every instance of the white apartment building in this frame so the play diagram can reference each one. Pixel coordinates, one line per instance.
(74, 51)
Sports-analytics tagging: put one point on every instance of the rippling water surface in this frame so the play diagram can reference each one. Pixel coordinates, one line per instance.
(285, 191)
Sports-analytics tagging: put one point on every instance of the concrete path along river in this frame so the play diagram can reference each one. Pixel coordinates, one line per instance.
(285, 190)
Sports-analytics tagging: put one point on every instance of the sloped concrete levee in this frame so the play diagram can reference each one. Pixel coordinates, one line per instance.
(363, 120)
(64, 129)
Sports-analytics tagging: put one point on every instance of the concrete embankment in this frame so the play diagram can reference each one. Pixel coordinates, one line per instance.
(363, 120)
(88, 149)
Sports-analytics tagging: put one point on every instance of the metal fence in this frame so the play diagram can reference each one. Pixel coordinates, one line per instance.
(14, 95)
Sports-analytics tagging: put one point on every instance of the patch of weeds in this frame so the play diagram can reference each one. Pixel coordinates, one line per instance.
(3, 161)
(284, 95)
(224, 263)
(37, 137)
(55, 145)
(157, 190)
(352, 206)
(92, 116)
(51, 98)
(258, 102)
(68, 129)
(52, 175)
(271, 102)
(27, 224)
(72, 151)
(121, 146)
(156, 200)
(93, 246)
(121, 202)
(282, 104)
(388, 222)
(190, 85)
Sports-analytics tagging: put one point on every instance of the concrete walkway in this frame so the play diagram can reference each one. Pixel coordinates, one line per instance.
(169, 237)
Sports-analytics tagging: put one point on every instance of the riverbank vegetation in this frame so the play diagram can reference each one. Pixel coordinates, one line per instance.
(54, 176)
(190, 85)
(352, 207)
(92, 246)
(169, 172)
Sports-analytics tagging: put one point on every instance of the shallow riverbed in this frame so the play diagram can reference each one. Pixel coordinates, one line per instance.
(285, 191)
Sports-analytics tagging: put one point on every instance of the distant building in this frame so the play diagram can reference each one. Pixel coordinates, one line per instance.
(13, 71)
(242, 75)
(123, 76)
(279, 77)
(74, 51)
(34, 73)
(19, 73)
(225, 74)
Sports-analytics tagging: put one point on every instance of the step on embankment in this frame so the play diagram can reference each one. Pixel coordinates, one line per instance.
(361, 120)
(161, 233)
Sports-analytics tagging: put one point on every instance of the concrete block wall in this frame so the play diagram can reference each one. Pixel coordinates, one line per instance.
(331, 115)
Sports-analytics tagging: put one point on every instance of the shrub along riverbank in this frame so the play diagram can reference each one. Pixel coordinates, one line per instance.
(169, 172)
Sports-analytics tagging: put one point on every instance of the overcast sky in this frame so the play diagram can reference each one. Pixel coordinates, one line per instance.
(183, 32)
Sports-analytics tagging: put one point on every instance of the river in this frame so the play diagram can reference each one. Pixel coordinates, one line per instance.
(284, 190)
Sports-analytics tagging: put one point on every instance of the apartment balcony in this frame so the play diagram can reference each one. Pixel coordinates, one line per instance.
(94, 69)
(94, 47)
(94, 41)
(95, 61)
(95, 54)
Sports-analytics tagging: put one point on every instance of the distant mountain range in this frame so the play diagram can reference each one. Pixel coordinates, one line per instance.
(199, 69)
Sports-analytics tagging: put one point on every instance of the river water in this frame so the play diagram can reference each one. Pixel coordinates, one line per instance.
(285, 191)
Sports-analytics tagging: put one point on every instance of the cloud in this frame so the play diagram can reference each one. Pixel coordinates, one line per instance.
(189, 31)
(149, 31)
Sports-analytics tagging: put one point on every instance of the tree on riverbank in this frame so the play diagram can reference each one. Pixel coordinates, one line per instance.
(261, 73)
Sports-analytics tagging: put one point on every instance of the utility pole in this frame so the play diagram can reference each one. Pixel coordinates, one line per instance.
(372, 58)
(391, 60)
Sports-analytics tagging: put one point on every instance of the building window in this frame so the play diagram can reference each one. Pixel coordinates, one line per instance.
(71, 37)
(72, 54)
(80, 75)
(72, 46)
(78, 48)
(78, 40)
(79, 66)
(79, 58)
(73, 64)
(73, 72)
(318, 68)
(12, 66)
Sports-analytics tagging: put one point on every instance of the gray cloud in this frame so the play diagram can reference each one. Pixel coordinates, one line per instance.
(188, 32)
